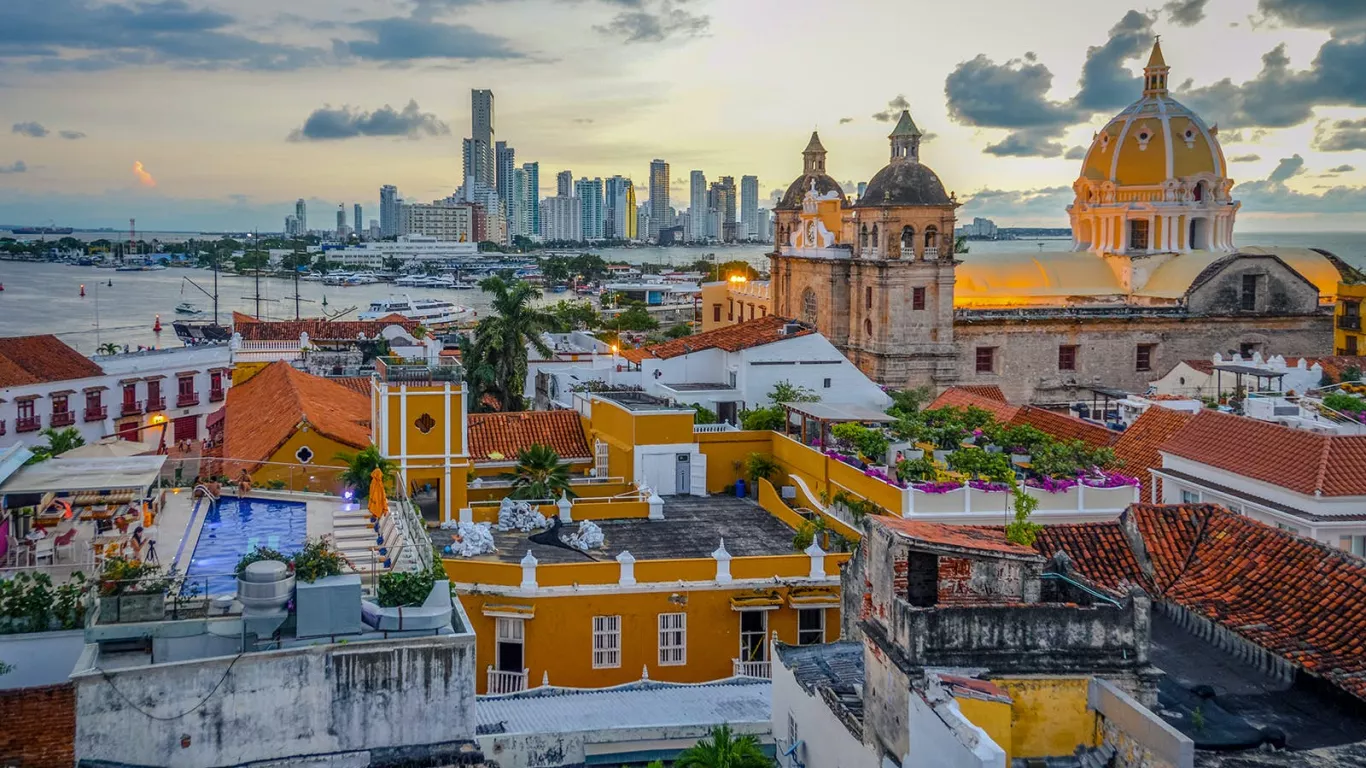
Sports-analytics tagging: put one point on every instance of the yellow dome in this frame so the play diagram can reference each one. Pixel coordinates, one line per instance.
(1154, 139)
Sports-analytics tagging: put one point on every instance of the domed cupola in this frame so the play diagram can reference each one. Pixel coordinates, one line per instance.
(904, 180)
(813, 177)
(904, 212)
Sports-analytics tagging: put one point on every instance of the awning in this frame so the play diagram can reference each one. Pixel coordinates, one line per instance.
(507, 611)
(756, 602)
(90, 474)
(813, 598)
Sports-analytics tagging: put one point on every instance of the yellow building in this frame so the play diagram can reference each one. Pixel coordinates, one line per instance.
(734, 300)
(421, 422)
(1347, 334)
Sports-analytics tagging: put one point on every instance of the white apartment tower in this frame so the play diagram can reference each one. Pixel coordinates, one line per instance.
(388, 210)
(697, 207)
(301, 214)
(659, 197)
(479, 148)
(749, 207)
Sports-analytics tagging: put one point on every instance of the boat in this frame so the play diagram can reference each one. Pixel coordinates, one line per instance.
(42, 230)
(433, 313)
(186, 308)
(192, 332)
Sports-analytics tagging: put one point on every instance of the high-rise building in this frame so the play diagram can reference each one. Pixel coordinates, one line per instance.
(643, 220)
(749, 206)
(480, 161)
(589, 191)
(697, 204)
(506, 158)
(447, 220)
(531, 198)
(562, 218)
(341, 221)
(564, 184)
(291, 226)
(356, 219)
(659, 197)
(619, 210)
(765, 226)
(632, 225)
(374, 229)
(301, 213)
(519, 220)
(725, 208)
(388, 210)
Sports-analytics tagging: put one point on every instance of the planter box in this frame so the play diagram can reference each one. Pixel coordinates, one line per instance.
(942, 456)
(126, 609)
(328, 606)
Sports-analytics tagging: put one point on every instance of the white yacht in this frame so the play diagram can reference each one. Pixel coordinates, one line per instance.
(433, 313)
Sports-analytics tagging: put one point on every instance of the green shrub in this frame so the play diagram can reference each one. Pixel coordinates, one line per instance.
(772, 418)
(402, 590)
(871, 444)
(1344, 403)
(703, 415)
(256, 555)
(317, 560)
(978, 464)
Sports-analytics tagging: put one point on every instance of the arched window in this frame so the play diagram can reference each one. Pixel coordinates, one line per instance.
(908, 238)
(868, 327)
(931, 236)
(809, 308)
(1199, 192)
(863, 236)
(875, 238)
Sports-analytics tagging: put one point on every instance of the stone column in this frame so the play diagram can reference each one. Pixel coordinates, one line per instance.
(529, 571)
(628, 569)
(722, 558)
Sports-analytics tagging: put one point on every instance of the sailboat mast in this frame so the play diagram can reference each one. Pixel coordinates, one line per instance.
(215, 285)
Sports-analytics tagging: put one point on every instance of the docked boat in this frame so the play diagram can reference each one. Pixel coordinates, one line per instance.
(432, 313)
(186, 308)
(192, 332)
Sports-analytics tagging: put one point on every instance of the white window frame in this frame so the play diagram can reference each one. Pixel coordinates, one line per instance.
(1190, 497)
(601, 457)
(762, 633)
(673, 639)
(819, 612)
(508, 630)
(606, 642)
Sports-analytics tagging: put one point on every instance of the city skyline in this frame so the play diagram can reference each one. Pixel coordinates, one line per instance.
(1004, 117)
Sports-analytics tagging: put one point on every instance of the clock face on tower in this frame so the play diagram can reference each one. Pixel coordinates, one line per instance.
(810, 234)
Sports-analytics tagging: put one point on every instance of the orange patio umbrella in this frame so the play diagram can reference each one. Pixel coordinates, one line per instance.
(378, 505)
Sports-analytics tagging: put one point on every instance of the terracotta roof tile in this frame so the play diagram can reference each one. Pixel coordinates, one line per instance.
(1301, 461)
(1058, 425)
(1203, 366)
(509, 433)
(1298, 598)
(358, 384)
(262, 413)
(1335, 365)
(961, 397)
(989, 391)
(1137, 446)
(732, 338)
(41, 359)
(317, 328)
(968, 537)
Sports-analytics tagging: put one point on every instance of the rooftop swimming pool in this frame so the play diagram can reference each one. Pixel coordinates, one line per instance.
(232, 528)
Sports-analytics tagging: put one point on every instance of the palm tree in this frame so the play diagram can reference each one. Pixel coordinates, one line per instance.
(107, 348)
(539, 475)
(501, 340)
(360, 465)
(723, 749)
(58, 442)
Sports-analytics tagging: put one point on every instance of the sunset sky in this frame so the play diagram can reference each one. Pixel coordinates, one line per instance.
(234, 108)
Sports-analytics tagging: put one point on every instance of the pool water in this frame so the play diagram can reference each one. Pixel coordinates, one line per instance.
(232, 528)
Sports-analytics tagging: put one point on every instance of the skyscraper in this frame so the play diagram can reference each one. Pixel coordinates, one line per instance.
(642, 219)
(589, 193)
(341, 221)
(659, 196)
(725, 208)
(697, 203)
(749, 206)
(506, 158)
(291, 225)
(519, 222)
(632, 228)
(531, 199)
(301, 213)
(561, 218)
(388, 210)
(356, 217)
(564, 184)
(619, 208)
(479, 147)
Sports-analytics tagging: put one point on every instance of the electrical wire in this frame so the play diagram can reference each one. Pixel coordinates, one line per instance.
(149, 715)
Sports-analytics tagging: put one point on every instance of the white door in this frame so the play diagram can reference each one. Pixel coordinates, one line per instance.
(698, 486)
(658, 472)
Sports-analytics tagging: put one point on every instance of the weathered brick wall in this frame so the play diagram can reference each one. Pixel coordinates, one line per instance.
(39, 726)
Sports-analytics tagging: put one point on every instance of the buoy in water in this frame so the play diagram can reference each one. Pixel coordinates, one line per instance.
(156, 327)
(82, 289)
(111, 283)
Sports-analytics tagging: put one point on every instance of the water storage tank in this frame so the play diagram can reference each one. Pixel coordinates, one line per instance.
(265, 587)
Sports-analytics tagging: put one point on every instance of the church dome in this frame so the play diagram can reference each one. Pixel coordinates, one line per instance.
(904, 180)
(1155, 139)
(813, 174)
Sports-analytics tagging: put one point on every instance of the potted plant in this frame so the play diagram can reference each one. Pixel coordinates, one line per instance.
(131, 591)
(757, 466)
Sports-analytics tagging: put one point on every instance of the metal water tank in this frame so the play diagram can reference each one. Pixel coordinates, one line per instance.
(265, 587)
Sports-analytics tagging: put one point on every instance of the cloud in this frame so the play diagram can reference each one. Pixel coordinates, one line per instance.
(144, 177)
(1286, 169)
(31, 129)
(1245, 158)
(584, 120)
(87, 35)
(1106, 83)
(1329, 14)
(17, 166)
(646, 23)
(1340, 136)
(346, 122)
(1185, 13)
(406, 39)
(71, 135)
(1074, 153)
(1019, 202)
(1031, 143)
(846, 120)
(1344, 168)
(982, 93)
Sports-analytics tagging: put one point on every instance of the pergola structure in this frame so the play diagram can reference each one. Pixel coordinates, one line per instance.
(1239, 371)
(824, 415)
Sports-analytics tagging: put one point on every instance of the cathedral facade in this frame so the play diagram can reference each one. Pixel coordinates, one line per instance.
(1153, 275)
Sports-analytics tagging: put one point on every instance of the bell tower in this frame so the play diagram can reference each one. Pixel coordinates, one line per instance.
(813, 157)
(1155, 73)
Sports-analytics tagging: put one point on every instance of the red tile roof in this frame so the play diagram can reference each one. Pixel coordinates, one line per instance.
(967, 537)
(989, 391)
(509, 433)
(1059, 425)
(731, 338)
(1334, 366)
(1203, 366)
(1298, 598)
(961, 397)
(263, 412)
(358, 384)
(317, 328)
(1137, 446)
(1301, 461)
(42, 359)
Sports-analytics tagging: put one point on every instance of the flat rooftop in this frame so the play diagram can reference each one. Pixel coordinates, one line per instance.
(638, 401)
(637, 705)
(693, 526)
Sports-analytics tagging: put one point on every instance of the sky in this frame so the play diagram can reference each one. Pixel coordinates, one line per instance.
(218, 114)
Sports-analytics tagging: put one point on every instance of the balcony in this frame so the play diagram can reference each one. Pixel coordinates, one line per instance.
(506, 682)
(217, 395)
(155, 404)
(131, 408)
(96, 412)
(400, 370)
(63, 419)
(1349, 322)
(28, 424)
(763, 669)
(186, 399)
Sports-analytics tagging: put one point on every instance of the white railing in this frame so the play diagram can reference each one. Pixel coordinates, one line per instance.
(931, 252)
(702, 429)
(763, 669)
(500, 682)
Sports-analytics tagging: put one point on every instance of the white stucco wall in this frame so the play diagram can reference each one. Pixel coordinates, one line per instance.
(941, 737)
(826, 742)
(39, 658)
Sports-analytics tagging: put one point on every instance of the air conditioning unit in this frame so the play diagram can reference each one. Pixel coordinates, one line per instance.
(791, 328)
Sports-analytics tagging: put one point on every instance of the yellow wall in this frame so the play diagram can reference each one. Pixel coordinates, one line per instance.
(732, 299)
(241, 372)
(559, 639)
(994, 717)
(1049, 717)
(726, 452)
(1350, 292)
(321, 475)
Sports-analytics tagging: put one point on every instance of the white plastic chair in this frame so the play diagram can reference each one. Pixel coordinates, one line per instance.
(44, 548)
